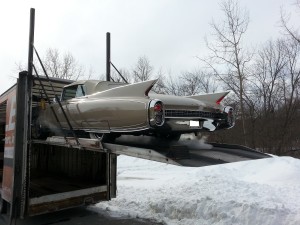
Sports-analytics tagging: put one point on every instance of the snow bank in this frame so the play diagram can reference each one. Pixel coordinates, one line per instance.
(265, 191)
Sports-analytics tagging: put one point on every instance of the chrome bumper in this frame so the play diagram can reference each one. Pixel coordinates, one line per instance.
(206, 122)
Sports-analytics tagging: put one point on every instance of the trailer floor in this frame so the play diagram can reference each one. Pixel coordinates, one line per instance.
(45, 185)
(79, 216)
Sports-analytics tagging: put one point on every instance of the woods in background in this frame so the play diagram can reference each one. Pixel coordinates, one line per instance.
(265, 83)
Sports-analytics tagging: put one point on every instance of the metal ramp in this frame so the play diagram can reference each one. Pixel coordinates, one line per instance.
(194, 153)
(176, 153)
(219, 154)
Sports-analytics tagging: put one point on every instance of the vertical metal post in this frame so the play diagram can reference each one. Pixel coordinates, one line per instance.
(108, 56)
(108, 167)
(23, 132)
(113, 176)
(21, 148)
(31, 41)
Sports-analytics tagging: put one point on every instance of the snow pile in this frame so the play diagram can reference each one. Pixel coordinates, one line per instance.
(265, 191)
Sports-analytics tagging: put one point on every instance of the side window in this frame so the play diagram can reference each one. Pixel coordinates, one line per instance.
(74, 91)
(80, 91)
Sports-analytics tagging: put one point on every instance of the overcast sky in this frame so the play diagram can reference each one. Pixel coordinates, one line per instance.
(169, 32)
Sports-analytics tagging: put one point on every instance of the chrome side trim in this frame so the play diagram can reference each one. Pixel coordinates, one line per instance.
(121, 130)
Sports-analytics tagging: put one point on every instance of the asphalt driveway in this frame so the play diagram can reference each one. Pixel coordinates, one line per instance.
(79, 216)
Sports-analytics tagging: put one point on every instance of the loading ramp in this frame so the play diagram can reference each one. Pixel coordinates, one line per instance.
(181, 153)
(196, 152)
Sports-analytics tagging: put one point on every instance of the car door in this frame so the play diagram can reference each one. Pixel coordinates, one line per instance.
(69, 100)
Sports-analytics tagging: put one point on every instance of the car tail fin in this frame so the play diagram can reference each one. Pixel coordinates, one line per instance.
(212, 97)
(136, 89)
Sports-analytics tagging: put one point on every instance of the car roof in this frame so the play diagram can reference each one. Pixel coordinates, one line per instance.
(94, 86)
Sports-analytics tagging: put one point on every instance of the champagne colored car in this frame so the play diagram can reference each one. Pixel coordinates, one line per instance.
(114, 109)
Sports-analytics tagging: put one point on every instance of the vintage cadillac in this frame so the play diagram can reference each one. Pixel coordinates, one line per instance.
(110, 109)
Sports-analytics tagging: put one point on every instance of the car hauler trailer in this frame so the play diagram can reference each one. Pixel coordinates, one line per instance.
(37, 178)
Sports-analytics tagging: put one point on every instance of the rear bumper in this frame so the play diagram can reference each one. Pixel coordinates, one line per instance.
(196, 121)
(185, 125)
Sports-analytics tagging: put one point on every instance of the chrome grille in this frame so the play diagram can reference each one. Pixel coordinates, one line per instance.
(193, 114)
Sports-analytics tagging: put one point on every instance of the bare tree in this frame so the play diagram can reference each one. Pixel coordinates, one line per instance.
(160, 86)
(143, 70)
(173, 86)
(190, 83)
(266, 93)
(115, 76)
(197, 81)
(65, 66)
(290, 83)
(285, 23)
(60, 66)
(268, 68)
(228, 57)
